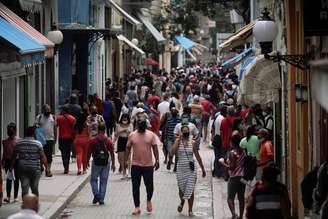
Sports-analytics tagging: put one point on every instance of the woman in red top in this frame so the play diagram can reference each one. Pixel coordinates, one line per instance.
(66, 124)
(81, 142)
(154, 117)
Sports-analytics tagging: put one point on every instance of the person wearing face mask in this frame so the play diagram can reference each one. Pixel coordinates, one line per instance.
(186, 168)
(93, 121)
(144, 143)
(47, 121)
(7, 157)
(123, 129)
(171, 122)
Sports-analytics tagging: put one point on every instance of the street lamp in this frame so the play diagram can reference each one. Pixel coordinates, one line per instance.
(55, 36)
(135, 41)
(265, 31)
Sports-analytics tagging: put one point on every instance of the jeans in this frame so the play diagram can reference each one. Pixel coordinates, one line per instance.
(29, 179)
(48, 150)
(102, 172)
(65, 146)
(169, 148)
(148, 177)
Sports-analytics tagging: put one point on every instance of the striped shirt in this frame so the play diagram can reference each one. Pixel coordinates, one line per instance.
(28, 151)
(239, 159)
(170, 125)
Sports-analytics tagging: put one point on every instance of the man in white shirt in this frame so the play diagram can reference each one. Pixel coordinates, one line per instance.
(47, 121)
(164, 106)
(217, 142)
(30, 208)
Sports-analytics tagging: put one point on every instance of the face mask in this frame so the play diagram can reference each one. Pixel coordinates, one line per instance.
(174, 113)
(185, 121)
(142, 125)
(125, 122)
(185, 134)
(47, 114)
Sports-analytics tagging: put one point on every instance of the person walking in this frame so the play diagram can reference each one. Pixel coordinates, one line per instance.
(66, 126)
(100, 149)
(30, 208)
(208, 108)
(109, 115)
(7, 158)
(219, 151)
(93, 121)
(251, 142)
(269, 199)
(122, 132)
(171, 122)
(47, 122)
(235, 164)
(30, 156)
(164, 106)
(143, 142)
(81, 147)
(266, 154)
(186, 168)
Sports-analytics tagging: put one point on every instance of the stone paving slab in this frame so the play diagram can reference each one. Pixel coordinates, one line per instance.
(55, 192)
(119, 202)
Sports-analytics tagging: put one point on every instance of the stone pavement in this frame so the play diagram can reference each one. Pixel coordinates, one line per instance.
(119, 203)
(55, 192)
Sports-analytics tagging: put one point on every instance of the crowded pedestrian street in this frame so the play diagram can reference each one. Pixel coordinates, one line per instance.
(209, 109)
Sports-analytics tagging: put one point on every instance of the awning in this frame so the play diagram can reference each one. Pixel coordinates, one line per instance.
(31, 51)
(237, 59)
(261, 82)
(83, 29)
(157, 35)
(185, 42)
(125, 14)
(151, 62)
(130, 44)
(31, 5)
(238, 38)
(18, 22)
(245, 65)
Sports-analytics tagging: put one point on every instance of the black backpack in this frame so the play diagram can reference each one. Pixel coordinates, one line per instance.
(308, 184)
(250, 167)
(100, 153)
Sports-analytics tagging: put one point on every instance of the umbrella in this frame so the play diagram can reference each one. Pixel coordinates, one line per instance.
(261, 82)
(152, 62)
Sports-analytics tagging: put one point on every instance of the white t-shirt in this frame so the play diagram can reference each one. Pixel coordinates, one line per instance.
(48, 124)
(217, 124)
(164, 107)
(25, 214)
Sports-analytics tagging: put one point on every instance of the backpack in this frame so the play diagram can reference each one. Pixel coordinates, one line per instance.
(100, 153)
(250, 167)
(308, 184)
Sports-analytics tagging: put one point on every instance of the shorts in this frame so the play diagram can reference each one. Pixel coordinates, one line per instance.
(235, 186)
(121, 144)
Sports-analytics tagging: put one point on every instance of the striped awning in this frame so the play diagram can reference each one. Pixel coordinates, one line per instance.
(125, 14)
(18, 22)
(30, 51)
(239, 38)
(156, 34)
(130, 44)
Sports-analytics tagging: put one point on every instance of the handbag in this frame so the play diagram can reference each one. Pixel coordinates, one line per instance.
(191, 162)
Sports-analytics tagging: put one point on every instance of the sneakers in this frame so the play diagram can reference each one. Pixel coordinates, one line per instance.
(136, 211)
(6, 200)
(149, 207)
(95, 200)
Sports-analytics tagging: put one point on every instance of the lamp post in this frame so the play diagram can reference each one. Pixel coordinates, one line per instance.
(55, 36)
(265, 31)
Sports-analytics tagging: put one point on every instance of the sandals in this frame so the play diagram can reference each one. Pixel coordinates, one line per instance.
(191, 214)
(136, 211)
(180, 208)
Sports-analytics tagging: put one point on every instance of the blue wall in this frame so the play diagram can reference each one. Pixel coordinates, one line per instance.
(65, 69)
(73, 11)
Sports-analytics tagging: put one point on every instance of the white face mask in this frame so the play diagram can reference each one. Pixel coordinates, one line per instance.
(125, 122)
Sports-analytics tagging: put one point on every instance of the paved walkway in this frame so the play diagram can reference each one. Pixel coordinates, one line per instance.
(55, 192)
(119, 203)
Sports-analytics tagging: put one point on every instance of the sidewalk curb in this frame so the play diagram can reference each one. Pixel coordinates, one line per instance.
(66, 197)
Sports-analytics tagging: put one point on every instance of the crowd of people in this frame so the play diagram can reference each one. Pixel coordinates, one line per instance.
(181, 111)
